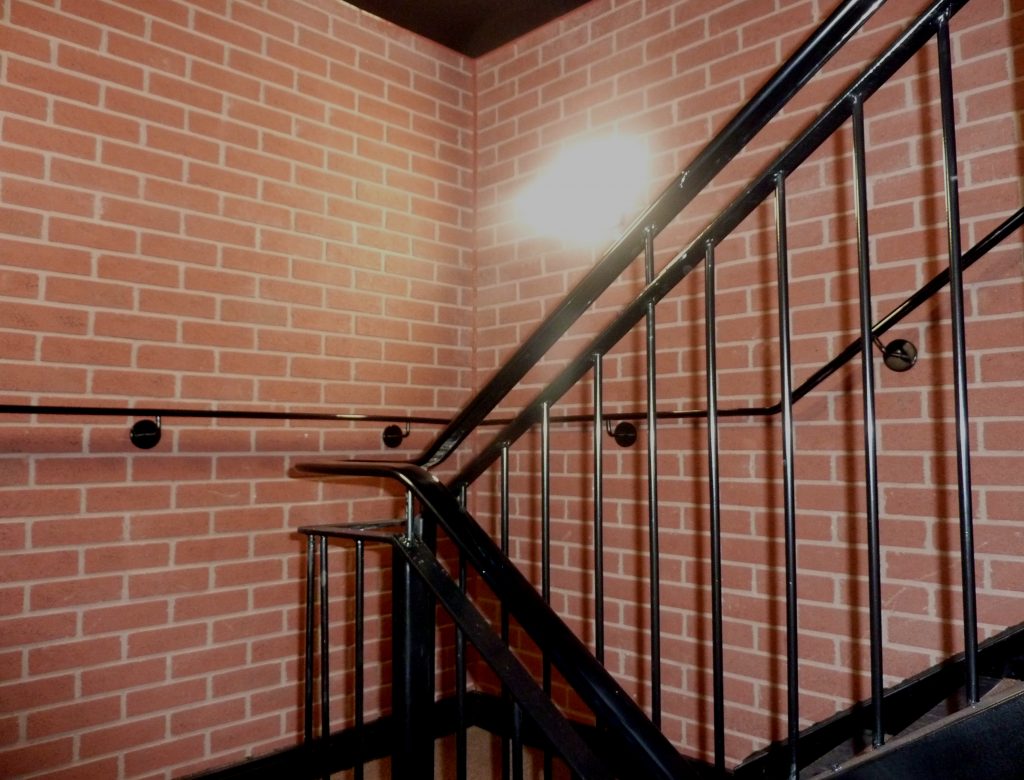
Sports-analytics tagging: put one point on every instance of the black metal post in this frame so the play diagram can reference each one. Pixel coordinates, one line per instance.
(545, 552)
(956, 296)
(461, 747)
(786, 372)
(412, 656)
(307, 724)
(870, 427)
(325, 658)
(599, 507)
(360, 660)
(714, 498)
(517, 742)
(507, 745)
(652, 486)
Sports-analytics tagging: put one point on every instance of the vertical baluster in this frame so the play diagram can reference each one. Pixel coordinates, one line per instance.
(652, 487)
(517, 741)
(956, 295)
(504, 523)
(307, 724)
(410, 515)
(786, 371)
(714, 497)
(360, 655)
(325, 658)
(413, 662)
(545, 552)
(870, 427)
(599, 506)
(461, 747)
(508, 744)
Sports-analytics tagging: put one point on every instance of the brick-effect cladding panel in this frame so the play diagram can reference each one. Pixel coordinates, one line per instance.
(671, 74)
(228, 204)
(293, 205)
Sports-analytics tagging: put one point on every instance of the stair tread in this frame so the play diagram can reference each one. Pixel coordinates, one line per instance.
(918, 746)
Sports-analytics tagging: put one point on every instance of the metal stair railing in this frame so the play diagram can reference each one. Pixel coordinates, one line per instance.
(615, 711)
(610, 704)
(768, 102)
(419, 581)
(650, 751)
(933, 23)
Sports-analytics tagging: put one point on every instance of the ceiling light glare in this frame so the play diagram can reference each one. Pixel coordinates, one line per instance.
(589, 192)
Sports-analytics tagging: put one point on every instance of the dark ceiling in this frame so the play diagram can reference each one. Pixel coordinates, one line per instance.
(472, 27)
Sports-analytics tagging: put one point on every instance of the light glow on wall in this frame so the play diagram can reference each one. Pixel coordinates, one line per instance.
(589, 192)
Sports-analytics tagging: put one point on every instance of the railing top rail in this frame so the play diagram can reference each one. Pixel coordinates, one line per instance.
(827, 122)
(808, 59)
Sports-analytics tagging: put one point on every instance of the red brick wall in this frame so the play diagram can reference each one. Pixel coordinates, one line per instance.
(671, 73)
(205, 204)
(293, 206)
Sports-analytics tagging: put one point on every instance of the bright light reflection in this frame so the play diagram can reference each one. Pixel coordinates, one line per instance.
(588, 192)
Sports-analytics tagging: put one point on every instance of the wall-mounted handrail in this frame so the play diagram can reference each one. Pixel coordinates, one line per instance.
(211, 414)
(899, 313)
(146, 434)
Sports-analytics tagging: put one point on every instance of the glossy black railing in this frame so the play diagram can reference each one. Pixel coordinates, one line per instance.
(626, 723)
(933, 23)
(870, 334)
(768, 102)
(757, 192)
(632, 735)
(522, 600)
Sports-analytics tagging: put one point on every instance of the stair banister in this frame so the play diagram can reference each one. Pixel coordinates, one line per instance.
(827, 122)
(808, 59)
(634, 732)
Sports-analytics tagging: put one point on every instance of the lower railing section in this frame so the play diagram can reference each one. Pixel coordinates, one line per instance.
(349, 749)
(628, 734)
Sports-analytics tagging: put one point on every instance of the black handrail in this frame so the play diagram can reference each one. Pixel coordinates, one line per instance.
(146, 434)
(215, 414)
(839, 27)
(513, 674)
(760, 188)
(849, 352)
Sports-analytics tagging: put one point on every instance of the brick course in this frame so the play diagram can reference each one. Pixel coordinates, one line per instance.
(294, 205)
(186, 192)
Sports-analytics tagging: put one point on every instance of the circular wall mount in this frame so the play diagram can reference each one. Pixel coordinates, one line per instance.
(624, 434)
(899, 355)
(393, 436)
(145, 434)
